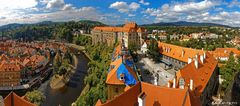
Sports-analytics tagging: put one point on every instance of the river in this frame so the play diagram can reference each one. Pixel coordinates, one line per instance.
(71, 92)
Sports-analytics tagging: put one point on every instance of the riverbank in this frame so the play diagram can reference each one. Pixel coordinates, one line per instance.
(72, 89)
(59, 82)
(99, 56)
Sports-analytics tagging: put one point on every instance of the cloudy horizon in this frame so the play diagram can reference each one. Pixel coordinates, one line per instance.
(112, 12)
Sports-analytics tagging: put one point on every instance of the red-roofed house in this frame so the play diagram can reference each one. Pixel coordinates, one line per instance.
(144, 94)
(121, 72)
(176, 55)
(194, 84)
(201, 76)
(224, 53)
(14, 100)
(9, 74)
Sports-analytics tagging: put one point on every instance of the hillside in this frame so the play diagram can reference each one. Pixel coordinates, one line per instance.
(184, 23)
(47, 23)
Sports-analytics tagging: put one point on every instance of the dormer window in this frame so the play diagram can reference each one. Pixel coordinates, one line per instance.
(122, 77)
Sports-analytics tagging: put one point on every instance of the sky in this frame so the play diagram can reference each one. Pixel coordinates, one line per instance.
(113, 12)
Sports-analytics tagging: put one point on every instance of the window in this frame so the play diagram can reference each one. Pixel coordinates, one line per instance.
(116, 90)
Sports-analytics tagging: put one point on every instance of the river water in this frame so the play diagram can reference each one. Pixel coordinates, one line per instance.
(71, 92)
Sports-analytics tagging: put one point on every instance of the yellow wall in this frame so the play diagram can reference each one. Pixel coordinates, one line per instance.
(114, 90)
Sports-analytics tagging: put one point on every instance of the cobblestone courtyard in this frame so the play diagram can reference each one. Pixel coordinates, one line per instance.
(152, 70)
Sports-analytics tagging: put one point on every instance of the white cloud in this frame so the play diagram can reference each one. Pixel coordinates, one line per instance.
(224, 13)
(143, 2)
(234, 3)
(67, 7)
(10, 9)
(120, 6)
(165, 7)
(17, 4)
(123, 7)
(89, 13)
(194, 12)
(81, 13)
(193, 6)
(131, 15)
(57, 5)
(134, 6)
(205, 14)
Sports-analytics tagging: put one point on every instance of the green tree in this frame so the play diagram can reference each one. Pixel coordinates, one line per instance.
(35, 97)
(98, 69)
(228, 71)
(153, 50)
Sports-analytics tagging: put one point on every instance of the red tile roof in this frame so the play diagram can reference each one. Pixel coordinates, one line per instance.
(128, 27)
(165, 96)
(200, 75)
(224, 52)
(155, 95)
(9, 67)
(17, 100)
(128, 98)
(176, 51)
(112, 75)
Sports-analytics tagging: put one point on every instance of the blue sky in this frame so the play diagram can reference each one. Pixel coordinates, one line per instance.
(113, 12)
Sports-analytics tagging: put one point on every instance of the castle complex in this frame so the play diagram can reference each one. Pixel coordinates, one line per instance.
(193, 84)
(131, 34)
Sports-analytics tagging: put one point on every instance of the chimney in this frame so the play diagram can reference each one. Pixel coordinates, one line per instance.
(202, 58)
(174, 83)
(155, 80)
(182, 52)
(191, 84)
(196, 56)
(142, 99)
(204, 55)
(168, 84)
(189, 60)
(196, 63)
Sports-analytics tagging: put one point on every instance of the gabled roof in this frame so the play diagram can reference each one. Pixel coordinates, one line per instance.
(176, 51)
(4, 57)
(9, 67)
(128, 27)
(122, 63)
(141, 29)
(224, 52)
(155, 96)
(200, 75)
(16, 100)
(163, 96)
(128, 98)
(109, 29)
(117, 68)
